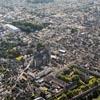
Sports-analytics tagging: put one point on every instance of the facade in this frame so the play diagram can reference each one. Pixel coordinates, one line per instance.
(42, 57)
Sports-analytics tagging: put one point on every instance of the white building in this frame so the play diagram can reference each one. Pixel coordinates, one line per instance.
(11, 28)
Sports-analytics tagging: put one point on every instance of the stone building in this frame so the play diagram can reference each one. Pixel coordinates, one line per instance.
(42, 56)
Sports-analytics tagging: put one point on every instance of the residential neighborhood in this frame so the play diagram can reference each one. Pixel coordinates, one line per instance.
(50, 50)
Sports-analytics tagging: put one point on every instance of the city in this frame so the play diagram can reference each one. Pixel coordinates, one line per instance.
(50, 51)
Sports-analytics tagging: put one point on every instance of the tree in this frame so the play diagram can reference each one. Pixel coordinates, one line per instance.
(64, 78)
(93, 82)
(95, 94)
(73, 30)
(75, 78)
(84, 87)
(70, 94)
(40, 46)
(62, 97)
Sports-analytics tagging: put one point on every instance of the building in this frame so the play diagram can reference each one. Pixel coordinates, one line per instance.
(45, 72)
(11, 28)
(39, 98)
(42, 57)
